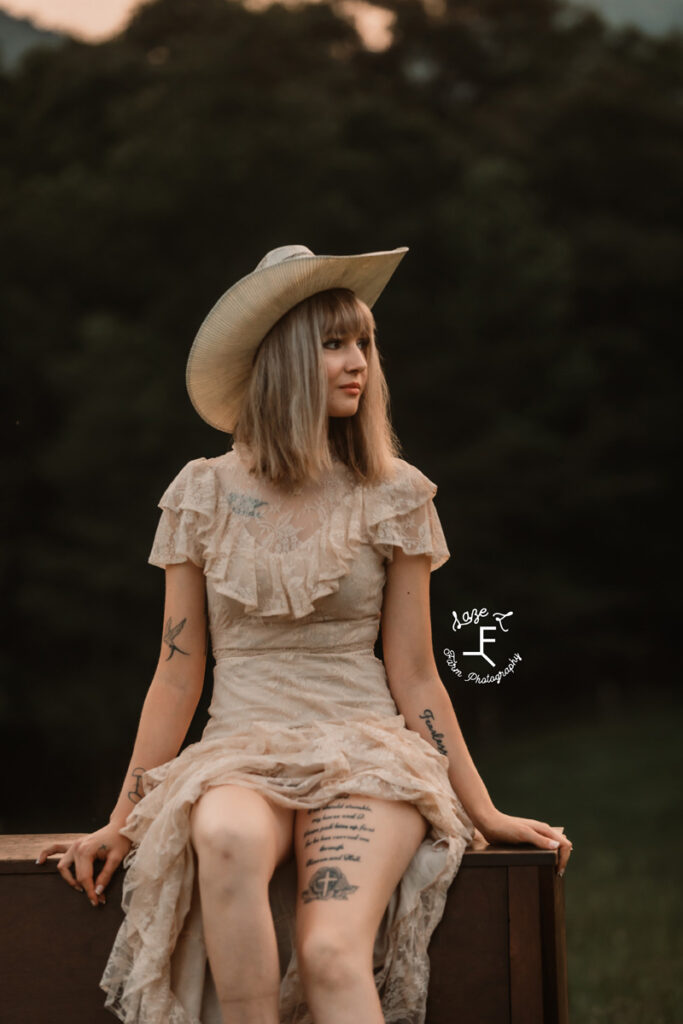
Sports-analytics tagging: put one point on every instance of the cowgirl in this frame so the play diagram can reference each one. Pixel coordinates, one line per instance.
(292, 865)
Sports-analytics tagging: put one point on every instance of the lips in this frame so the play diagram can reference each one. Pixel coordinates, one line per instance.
(351, 387)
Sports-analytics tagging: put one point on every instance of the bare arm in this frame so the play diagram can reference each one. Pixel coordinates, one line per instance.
(423, 700)
(167, 711)
(176, 686)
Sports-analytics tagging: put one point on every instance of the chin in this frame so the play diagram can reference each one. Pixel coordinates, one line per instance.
(338, 414)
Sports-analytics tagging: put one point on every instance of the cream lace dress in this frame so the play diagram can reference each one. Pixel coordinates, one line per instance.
(301, 710)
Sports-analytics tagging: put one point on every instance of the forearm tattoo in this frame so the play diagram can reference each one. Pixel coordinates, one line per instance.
(335, 833)
(428, 717)
(135, 795)
(170, 634)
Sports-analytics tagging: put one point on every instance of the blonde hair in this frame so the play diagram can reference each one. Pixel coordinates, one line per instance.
(284, 418)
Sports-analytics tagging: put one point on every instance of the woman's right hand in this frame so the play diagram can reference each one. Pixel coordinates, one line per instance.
(106, 844)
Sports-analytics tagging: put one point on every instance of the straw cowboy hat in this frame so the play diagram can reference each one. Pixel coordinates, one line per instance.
(222, 354)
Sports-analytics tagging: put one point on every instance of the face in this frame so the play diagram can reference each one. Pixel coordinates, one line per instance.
(346, 363)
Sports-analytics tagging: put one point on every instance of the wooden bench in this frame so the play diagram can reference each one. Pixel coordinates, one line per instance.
(498, 955)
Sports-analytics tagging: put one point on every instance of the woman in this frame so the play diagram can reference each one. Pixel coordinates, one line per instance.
(318, 758)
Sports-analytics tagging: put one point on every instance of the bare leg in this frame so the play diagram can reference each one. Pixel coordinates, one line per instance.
(351, 855)
(240, 837)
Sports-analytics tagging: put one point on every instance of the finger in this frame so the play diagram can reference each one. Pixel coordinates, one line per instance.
(564, 855)
(554, 838)
(541, 839)
(105, 875)
(64, 868)
(48, 850)
(84, 872)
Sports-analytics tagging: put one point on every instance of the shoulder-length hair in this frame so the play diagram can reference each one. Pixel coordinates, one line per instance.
(283, 418)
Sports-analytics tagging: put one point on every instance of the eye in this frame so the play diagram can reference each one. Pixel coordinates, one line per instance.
(334, 342)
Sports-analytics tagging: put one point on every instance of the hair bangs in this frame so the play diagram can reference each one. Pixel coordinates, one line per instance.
(284, 415)
(345, 315)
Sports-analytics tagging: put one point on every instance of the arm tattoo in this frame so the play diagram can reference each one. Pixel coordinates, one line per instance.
(428, 716)
(134, 795)
(169, 637)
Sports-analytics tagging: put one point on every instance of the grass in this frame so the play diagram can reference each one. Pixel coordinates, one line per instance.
(615, 785)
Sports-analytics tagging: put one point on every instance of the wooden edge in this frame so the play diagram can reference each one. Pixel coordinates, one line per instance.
(554, 947)
(479, 843)
(479, 853)
(19, 852)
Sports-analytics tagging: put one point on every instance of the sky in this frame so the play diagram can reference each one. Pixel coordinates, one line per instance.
(95, 20)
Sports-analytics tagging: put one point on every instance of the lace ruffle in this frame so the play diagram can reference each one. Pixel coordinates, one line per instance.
(197, 523)
(189, 506)
(299, 768)
(401, 512)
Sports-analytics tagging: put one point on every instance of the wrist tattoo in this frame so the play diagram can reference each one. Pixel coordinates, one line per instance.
(136, 794)
(428, 717)
(170, 634)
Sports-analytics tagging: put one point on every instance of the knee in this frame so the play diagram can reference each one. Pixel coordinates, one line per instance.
(332, 960)
(240, 847)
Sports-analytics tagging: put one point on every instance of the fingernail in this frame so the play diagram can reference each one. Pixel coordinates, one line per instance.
(94, 902)
(99, 889)
(37, 860)
(554, 843)
(79, 889)
(560, 873)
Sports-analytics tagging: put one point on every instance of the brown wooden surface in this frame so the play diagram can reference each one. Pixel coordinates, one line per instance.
(497, 956)
(469, 977)
(526, 969)
(53, 943)
(554, 947)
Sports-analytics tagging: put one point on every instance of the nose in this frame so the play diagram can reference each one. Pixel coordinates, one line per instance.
(355, 359)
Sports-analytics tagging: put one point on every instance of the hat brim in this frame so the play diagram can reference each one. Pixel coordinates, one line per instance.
(220, 360)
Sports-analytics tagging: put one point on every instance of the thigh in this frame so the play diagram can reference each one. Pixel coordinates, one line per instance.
(237, 821)
(351, 855)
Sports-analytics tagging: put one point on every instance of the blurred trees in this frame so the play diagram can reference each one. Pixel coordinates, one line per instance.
(528, 156)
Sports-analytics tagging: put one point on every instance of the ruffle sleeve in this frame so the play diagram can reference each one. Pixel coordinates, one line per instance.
(188, 506)
(197, 524)
(401, 512)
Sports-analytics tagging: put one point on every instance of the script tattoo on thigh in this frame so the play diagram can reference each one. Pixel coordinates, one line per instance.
(326, 884)
(337, 833)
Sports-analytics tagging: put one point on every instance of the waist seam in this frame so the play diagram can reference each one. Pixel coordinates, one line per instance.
(238, 652)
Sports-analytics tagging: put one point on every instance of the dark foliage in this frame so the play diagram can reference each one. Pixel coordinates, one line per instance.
(530, 158)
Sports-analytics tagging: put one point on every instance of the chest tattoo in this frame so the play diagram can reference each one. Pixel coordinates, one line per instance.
(243, 505)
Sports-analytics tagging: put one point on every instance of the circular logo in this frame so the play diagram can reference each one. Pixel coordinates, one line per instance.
(485, 649)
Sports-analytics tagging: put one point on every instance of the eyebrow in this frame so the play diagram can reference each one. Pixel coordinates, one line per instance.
(347, 334)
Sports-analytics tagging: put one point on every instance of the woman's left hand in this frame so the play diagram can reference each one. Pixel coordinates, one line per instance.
(501, 828)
